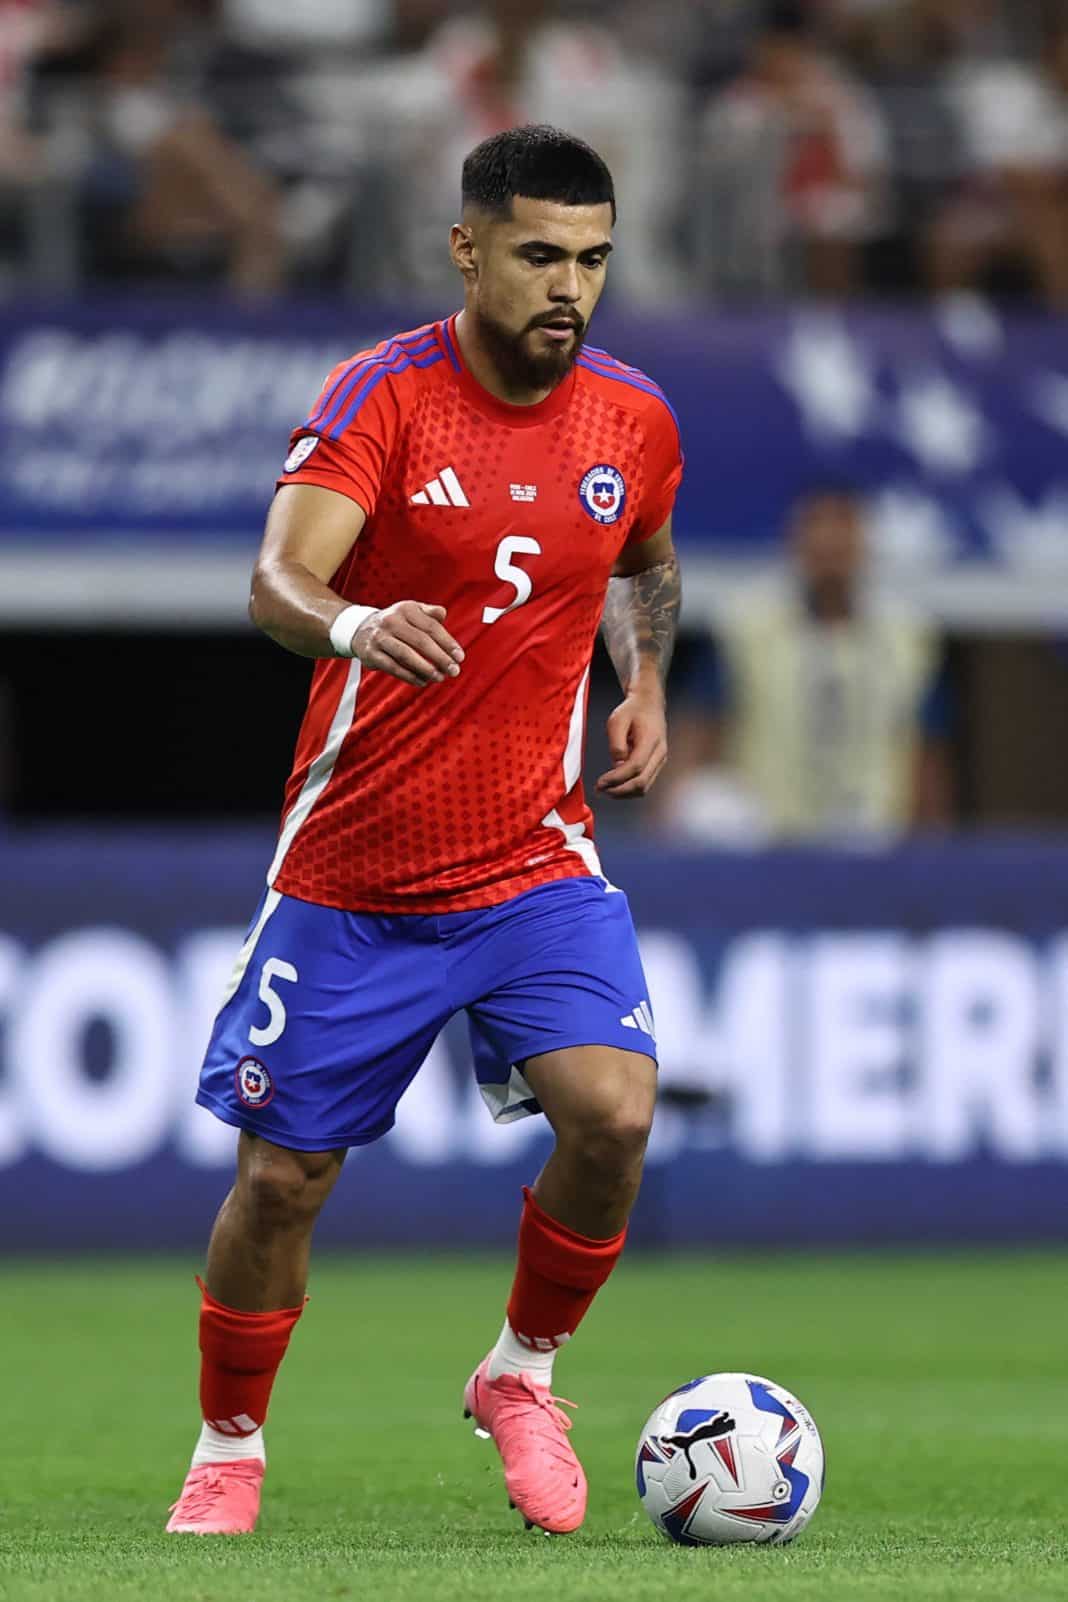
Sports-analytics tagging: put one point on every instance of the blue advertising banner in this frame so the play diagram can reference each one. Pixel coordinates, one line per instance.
(856, 1048)
(143, 419)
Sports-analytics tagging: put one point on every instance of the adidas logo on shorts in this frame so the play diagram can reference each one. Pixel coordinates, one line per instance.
(640, 1018)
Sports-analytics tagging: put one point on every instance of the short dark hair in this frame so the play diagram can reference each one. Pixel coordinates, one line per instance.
(539, 162)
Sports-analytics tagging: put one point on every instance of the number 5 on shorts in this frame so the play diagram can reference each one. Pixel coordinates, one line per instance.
(273, 968)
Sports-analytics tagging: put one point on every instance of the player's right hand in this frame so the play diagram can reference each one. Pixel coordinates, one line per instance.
(407, 640)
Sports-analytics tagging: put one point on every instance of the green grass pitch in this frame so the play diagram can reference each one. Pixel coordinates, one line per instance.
(940, 1384)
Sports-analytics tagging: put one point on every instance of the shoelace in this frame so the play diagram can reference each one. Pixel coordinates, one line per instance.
(541, 1396)
(201, 1497)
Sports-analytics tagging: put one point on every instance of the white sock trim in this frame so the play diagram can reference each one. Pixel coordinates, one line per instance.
(513, 1356)
(214, 1446)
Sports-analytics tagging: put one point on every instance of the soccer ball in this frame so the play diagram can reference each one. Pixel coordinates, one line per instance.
(730, 1457)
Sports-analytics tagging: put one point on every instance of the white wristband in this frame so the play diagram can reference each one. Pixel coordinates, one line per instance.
(344, 626)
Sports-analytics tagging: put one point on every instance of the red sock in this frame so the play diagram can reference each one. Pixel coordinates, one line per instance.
(558, 1274)
(240, 1354)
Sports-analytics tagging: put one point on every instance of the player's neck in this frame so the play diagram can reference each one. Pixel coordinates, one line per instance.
(483, 368)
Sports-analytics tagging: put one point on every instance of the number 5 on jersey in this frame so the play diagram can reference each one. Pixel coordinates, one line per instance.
(506, 569)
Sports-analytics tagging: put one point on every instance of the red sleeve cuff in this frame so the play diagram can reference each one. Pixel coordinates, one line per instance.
(356, 489)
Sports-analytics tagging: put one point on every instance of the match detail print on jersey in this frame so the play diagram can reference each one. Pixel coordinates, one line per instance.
(468, 792)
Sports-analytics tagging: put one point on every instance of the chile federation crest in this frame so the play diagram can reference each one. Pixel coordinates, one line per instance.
(603, 493)
(254, 1085)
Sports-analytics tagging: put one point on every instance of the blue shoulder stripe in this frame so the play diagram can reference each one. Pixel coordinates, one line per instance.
(608, 367)
(400, 363)
(353, 380)
(350, 367)
(637, 382)
(327, 408)
(606, 356)
(450, 346)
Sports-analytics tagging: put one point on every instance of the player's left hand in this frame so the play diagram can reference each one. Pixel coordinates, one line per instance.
(637, 740)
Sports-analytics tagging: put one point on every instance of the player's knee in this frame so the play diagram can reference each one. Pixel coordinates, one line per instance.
(285, 1189)
(611, 1142)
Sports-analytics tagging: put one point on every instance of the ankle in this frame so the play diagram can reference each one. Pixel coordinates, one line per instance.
(512, 1355)
(216, 1447)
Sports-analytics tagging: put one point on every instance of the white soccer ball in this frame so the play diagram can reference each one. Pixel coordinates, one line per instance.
(730, 1457)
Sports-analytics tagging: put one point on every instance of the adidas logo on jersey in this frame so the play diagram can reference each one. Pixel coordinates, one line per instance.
(640, 1018)
(445, 490)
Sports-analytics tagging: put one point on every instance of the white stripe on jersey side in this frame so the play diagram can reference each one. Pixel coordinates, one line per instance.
(321, 770)
(436, 490)
(575, 837)
(452, 485)
(575, 729)
(244, 956)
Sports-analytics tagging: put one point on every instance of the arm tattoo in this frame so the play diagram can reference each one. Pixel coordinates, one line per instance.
(641, 615)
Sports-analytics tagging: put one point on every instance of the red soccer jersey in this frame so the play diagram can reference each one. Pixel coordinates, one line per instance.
(468, 792)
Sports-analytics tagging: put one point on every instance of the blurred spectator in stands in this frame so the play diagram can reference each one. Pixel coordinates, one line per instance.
(167, 191)
(791, 170)
(33, 161)
(328, 25)
(1010, 215)
(27, 27)
(413, 22)
(828, 708)
(515, 61)
(902, 49)
(290, 84)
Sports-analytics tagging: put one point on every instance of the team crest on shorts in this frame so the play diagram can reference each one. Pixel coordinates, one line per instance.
(300, 453)
(603, 493)
(254, 1084)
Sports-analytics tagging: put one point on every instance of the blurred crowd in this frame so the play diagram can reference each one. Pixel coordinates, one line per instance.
(823, 147)
(819, 710)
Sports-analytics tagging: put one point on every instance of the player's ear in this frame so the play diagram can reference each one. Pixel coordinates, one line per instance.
(462, 249)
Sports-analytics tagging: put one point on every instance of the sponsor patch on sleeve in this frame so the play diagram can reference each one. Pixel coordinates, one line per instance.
(300, 453)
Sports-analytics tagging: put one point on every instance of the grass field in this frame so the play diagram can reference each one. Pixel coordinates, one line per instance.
(940, 1385)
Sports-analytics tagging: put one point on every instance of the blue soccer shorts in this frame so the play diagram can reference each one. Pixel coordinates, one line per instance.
(330, 1014)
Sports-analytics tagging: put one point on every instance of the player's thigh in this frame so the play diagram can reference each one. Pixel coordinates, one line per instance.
(330, 1017)
(589, 1091)
(562, 975)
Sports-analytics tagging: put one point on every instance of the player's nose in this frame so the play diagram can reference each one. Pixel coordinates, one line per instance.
(565, 285)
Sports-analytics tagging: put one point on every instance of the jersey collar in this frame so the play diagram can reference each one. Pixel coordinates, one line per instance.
(501, 411)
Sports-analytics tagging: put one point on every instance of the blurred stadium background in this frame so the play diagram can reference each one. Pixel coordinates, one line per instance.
(843, 251)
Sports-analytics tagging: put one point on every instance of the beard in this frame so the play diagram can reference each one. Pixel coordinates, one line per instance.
(519, 366)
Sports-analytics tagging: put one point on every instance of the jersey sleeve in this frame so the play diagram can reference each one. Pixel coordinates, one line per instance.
(345, 442)
(663, 471)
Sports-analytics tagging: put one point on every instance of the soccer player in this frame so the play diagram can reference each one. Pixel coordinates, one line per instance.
(461, 509)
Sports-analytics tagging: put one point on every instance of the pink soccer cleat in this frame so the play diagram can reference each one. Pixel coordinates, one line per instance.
(219, 1499)
(543, 1476)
